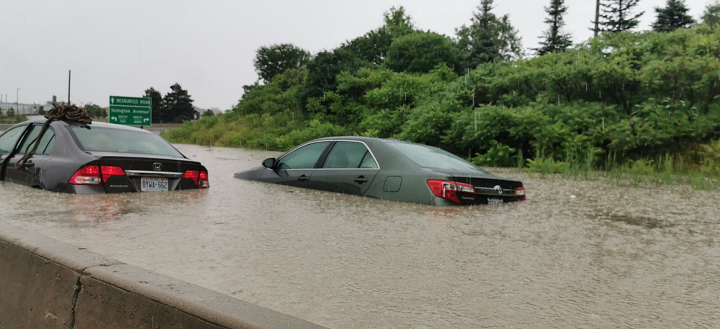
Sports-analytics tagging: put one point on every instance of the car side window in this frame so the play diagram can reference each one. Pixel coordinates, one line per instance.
(10, 138)
(29, 137)
(304, 157)
(347, 155)
(46, 143)
(368, 162)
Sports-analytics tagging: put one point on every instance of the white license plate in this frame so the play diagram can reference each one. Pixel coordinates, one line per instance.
(495, 201)
(153, 184)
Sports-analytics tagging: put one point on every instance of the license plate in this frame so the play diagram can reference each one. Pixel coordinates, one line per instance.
(153, 184)
(495, 201)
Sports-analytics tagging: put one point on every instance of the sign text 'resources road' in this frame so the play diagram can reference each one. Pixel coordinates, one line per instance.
(132, 111)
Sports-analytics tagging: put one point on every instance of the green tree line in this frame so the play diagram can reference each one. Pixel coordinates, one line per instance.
(176, 106)
(626, 94)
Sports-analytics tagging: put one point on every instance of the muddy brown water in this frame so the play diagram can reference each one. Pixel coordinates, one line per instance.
(611, 257)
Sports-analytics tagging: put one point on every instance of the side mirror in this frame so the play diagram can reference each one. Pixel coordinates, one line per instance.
(268, 163)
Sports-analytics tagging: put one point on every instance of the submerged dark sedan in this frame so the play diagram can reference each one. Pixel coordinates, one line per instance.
(96, 158)
(387, 170)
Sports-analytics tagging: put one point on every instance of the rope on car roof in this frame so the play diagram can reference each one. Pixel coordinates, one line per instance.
(62, 111)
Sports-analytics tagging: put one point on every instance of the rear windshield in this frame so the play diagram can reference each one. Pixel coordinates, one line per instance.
(123, 141)
(434, 157)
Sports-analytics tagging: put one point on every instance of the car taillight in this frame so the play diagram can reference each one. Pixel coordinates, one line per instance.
(95, 175)
(449, 190)
(203, 181)
(193, 175)
(89, 175)
(109, 171)
(520, 192)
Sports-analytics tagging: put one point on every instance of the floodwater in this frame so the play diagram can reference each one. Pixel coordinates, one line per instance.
(609, 257)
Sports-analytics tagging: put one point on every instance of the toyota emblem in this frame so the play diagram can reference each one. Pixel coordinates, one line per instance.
(157, 166)
(498, 189)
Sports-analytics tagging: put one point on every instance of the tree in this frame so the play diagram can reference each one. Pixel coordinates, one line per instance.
(208, 113)
(157, 104)
(95, 111)
(420, 52)
(488, 38)
(617, 16)
(555, 40)
(711, 16)
(674, 16)
(374, 45)
(398, 22)
(10, 112)
(273, 60)
(177, 105)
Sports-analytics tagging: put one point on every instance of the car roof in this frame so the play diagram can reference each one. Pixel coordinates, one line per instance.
(94, 124)
(360, 139)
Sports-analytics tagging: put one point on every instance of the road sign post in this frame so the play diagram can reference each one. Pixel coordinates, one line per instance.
(131, 111)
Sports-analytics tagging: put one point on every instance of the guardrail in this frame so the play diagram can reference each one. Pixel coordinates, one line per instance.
(49, 284)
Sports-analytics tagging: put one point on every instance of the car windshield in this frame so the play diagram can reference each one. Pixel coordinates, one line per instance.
(432, 157)
(123, 141)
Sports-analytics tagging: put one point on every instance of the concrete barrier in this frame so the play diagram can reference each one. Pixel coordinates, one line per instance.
(49, 284)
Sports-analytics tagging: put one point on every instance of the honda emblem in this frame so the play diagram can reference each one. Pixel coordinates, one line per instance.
(157, 166)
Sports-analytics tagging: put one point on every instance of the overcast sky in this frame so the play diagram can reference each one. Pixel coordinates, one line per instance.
(124, 47)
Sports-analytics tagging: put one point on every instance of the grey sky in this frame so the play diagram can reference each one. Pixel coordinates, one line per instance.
(125, 47)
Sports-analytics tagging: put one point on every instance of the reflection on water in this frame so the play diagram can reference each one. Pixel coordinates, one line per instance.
(610, 257)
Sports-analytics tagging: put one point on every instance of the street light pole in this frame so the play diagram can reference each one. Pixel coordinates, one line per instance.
(69, 76)
(17, 101)
(597, 18)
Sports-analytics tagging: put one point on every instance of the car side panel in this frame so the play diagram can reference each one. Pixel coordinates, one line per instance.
(412, 186)
(342, 180)
(294, 177)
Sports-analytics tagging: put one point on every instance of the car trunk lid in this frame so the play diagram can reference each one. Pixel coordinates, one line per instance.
(489, 188)
(148, 173)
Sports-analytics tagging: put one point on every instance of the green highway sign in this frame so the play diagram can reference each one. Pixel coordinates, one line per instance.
(131, 111)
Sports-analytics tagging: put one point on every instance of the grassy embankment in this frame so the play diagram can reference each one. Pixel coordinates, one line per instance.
(641, 107)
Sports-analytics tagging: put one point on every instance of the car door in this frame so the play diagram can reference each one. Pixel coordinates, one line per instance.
(29, 174)
(349, 168)
(297, 167)
(8, 143)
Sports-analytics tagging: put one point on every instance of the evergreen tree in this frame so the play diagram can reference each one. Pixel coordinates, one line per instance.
(555, 40)
(177, 105)
(488, 38)
(273, 60)
(673, 16)
(711, 16)
(157, 104)
(617, 15)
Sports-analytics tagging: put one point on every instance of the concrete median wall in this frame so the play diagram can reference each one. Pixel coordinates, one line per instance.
(49, 284)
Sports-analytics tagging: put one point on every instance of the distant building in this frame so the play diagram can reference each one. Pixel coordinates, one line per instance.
(21, 108)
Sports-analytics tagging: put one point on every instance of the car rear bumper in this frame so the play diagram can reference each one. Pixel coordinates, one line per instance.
(478, 200)
(184, 184)
(84, 189)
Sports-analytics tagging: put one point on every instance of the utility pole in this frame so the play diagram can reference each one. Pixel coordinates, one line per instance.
(597, 18)
(69, 76)
(17, 101)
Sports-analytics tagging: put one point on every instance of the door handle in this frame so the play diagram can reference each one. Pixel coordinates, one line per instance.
(303, 178)
(361, 180)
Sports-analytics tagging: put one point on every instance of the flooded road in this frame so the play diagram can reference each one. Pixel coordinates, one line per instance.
(611, 257)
